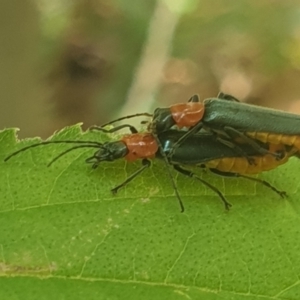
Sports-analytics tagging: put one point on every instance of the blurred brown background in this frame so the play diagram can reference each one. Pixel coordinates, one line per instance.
(64, 62)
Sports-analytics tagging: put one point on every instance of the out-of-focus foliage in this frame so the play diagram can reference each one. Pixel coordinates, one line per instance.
(70, 61)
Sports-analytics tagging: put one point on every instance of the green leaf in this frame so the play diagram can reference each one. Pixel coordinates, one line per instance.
(63, 235)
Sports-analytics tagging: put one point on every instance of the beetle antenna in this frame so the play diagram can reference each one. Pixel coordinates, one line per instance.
(52, 142)
(120, 119)
(71, 149)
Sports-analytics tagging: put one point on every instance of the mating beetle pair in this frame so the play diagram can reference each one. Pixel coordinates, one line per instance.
(229, 146)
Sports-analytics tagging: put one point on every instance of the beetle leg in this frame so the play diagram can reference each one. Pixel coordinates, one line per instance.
(236, 148)
(254, 144)
(145, 164)
(190, 132)
(282, 194)
(193, 175)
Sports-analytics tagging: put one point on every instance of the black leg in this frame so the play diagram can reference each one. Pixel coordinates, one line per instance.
(167, 163)
(233, 133)
(145, 164)
(193, 175)
(190, 132)
(282, 194)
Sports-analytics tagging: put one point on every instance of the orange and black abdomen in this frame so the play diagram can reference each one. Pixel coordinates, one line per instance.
(260, 163)
(276, 138)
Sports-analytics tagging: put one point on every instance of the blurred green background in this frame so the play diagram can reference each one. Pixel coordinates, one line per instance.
(64, 62)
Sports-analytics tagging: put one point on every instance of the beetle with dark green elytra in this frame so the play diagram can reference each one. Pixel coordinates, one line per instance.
(231, 121)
